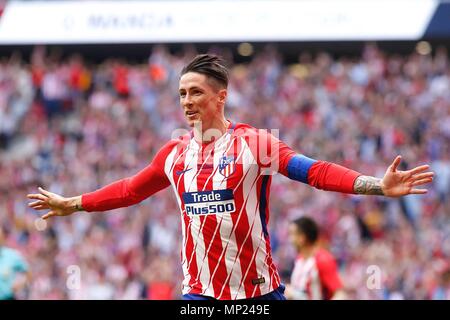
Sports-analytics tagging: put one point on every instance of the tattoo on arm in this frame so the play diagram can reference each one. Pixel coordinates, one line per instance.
(75, 203)
(368, 185)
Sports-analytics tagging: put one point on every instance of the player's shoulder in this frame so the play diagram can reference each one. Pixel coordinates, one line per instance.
(177, 145)
(240, 127)
(180, 142)
(324, 257)
(246, 130)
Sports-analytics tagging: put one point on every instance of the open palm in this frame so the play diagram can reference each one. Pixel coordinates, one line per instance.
(49, 200)
(396, 183)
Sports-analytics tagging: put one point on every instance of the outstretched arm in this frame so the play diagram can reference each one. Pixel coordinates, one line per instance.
(333, 177)
(121, 193)
(395, 183)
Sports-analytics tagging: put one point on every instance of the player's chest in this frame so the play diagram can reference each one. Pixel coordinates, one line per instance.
(206, 169)
(304, 272)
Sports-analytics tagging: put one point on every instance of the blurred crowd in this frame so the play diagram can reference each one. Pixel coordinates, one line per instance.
(72, 127)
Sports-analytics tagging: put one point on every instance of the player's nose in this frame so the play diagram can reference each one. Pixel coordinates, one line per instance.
(187, 103)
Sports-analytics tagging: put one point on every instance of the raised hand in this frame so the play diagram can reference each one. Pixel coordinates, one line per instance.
(58, 205)
(396, 183)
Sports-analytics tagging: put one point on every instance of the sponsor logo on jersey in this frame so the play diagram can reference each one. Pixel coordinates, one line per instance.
(209, 202)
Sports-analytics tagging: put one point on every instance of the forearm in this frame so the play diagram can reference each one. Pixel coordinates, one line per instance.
(126, 192)
(332, 177)
(368, 185)
(113, 196)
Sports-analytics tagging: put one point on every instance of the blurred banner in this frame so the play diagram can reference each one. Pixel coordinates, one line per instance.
(73, 22)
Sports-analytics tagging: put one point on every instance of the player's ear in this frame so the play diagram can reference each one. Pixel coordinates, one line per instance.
(222, 95)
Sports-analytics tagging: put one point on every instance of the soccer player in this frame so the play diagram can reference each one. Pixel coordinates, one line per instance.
(220, 172)
(315, 275)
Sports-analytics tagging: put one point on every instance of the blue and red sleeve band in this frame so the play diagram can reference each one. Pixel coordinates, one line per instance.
(298, 167)
(321, 174)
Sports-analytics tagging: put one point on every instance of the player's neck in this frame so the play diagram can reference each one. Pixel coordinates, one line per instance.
(308, 251)
(206, 133)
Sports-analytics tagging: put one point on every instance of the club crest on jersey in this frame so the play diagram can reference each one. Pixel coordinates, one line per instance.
(227, 166)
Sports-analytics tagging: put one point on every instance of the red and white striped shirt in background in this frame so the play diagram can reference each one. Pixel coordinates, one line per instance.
(316, 277)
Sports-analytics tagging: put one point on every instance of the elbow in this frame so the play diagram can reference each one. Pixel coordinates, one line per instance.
(317, 175)
(131, 194)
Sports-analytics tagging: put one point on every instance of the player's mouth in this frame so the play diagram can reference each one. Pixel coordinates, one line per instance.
(191, 114)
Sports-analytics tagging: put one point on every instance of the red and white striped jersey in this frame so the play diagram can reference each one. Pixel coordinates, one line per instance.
(223, 195)
(222, 189)
(316, 277)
